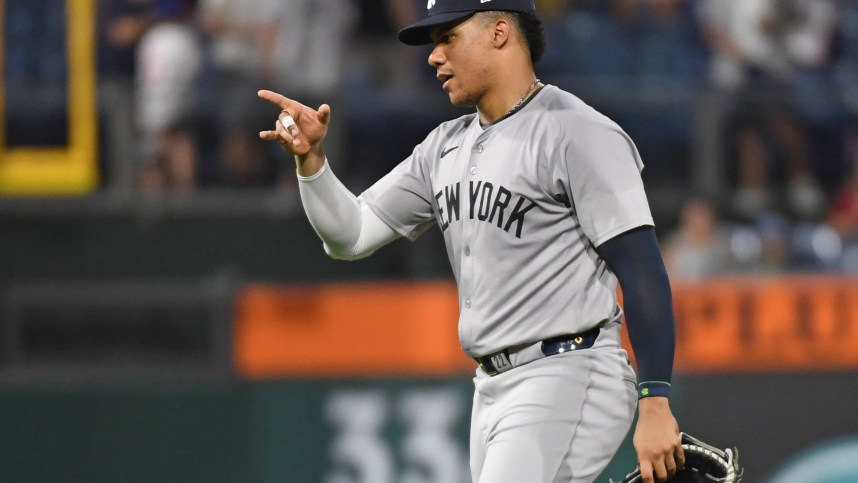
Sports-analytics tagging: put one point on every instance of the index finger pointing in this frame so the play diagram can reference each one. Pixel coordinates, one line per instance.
(277, 99)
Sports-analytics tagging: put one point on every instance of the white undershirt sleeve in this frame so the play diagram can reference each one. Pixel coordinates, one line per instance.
(348, 228)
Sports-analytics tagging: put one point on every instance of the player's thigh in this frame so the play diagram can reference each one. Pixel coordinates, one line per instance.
(479, 426)
(606, 417)
(526, 431)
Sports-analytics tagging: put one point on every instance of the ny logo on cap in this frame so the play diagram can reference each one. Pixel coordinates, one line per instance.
(431, 3)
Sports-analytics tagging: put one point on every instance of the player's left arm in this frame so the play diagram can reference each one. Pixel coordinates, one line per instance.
(635, 259)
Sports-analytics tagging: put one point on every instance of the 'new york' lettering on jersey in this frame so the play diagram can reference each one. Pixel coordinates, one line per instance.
(486, 204)
(521, 208)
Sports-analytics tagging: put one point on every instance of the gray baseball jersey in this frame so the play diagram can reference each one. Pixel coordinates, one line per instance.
(522, 203)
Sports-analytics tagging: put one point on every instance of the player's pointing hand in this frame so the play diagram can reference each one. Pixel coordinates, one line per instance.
(299, 129)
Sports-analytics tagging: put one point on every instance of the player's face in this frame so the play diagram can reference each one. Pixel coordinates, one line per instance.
(460, 59)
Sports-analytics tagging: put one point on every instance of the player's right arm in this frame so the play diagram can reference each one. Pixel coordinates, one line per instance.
(348, 228)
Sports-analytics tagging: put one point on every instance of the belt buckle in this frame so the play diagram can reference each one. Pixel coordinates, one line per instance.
(554, 346)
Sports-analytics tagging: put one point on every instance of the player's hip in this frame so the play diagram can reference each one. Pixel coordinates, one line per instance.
(571, 411)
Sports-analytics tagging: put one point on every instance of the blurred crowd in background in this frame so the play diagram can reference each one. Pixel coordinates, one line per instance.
(744, 110)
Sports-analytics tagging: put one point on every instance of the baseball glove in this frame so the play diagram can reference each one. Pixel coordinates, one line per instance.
(703, 464)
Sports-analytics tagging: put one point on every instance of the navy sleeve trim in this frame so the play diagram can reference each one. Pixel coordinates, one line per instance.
(653, 389)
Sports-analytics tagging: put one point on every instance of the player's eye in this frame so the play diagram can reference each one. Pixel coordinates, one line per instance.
(445, 38)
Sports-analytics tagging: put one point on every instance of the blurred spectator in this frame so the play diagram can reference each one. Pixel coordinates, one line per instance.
(120, 24)
(846, 65)
(743, 38)
(774, 232)
(590, 44)
(815, 247)
(755, 46)
(169, 63)
(670, 53)
(843, 212)
(239, 32)
(815, 46)
(699, 247)
(811, 45)
(380, 66)
(315, 35)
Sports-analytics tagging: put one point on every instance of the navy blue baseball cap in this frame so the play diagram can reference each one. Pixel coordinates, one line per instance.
(444, 11)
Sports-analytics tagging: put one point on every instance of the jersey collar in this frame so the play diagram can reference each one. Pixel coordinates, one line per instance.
(520, 108)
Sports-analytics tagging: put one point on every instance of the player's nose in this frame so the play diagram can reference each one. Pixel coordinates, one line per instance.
(437, 57)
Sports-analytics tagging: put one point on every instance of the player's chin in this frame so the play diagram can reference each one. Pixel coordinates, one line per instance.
(460, 99)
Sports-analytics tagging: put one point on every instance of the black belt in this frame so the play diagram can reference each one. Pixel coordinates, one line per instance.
(498, 362)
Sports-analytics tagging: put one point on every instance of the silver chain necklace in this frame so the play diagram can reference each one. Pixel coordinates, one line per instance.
(521, 101)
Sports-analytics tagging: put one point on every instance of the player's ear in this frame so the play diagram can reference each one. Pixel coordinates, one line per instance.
(501, 32)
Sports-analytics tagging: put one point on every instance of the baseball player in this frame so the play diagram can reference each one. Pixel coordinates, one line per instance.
(541, 204)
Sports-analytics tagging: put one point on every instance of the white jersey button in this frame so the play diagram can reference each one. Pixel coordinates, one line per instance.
(479, 148)
(467, 251)
(473, 170)
(468, 303)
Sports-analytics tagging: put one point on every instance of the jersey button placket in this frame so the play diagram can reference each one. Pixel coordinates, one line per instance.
(477, 149)
(467, 237)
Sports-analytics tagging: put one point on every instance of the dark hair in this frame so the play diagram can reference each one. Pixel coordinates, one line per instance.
(533, 32)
